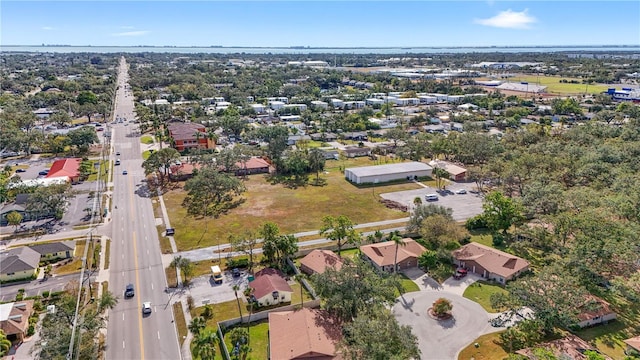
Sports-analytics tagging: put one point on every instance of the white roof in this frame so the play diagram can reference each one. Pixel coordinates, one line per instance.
(532, 88)
(5, 310)
(41, 181)
(389, 169)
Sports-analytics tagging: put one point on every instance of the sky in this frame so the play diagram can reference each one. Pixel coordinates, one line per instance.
(320, 23)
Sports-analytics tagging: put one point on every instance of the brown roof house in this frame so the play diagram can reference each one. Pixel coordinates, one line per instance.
(303, 334)
(595, 311)
(269, 288)
(317, 261)
(382, 255)
(189, 136)
(456, 173)
(570, 347)
(14, 319)
(19, 263)
(254, 165)
(633, 346)
(489, 263)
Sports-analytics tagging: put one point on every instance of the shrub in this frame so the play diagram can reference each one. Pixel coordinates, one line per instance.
(190, 302)
(31, 330)
(498, 240)
(45, 294)
(238, 263)
(19, 296)
(476, 222)
(37, 306)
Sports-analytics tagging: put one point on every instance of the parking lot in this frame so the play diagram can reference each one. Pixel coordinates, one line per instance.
(205, 291)
(464, 205)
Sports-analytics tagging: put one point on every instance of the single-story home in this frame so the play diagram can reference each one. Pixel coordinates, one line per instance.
(317, 261)
(489, 263)
(595, 311)
(331, 154)
(633, 346)
(21, 207)
(569, 347)
(389, 172)
(293, 139)
(456, 172)
(303, 334)
(269, 287)
(254, 165)
(14, 319)
(66, 167)
(382, 255)
(55, 250)
(325, 136)
(19, 263)
(352, 152)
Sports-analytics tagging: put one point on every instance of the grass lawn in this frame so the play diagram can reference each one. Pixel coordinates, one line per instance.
(181, 323)
(482, 237)
(165, 243)
(295, 296)
(146, 154)
(350, 253)
(259, 334)
(489, 349)
(408, 285)
(146, 139)
(554, 86)
(221, 311)
(75, 265)
(481, 292)
(294, 210)
(107, 250)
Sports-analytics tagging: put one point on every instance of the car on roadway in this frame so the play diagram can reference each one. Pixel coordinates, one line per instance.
(235, 272)
(128, 291)
(43, 172)
(146, 308)
(21, 170)
(124, 172)
(461, 191)
(118, 153)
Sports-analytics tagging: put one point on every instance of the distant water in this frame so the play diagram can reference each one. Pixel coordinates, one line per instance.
(305, 50)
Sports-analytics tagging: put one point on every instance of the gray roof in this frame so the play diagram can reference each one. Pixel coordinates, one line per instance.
(53, 247)
(19, 259)
(405, 167)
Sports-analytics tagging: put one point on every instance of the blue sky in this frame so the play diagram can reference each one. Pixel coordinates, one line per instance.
(320, 24)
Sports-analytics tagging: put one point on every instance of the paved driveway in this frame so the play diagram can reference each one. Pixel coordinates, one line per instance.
(205, 291)
(441, 340)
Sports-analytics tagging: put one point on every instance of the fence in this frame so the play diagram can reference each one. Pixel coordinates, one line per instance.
(264, 314)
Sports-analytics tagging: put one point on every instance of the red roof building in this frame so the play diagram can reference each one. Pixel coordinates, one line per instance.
(269, 287)
(317, 261)
(303, 334)
(66, 167)
(190, 136)
(383, 255)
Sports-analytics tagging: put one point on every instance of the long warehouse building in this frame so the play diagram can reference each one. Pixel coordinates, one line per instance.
(385, 173)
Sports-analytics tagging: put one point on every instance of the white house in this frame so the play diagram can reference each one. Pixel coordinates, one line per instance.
(319, 104)
(337, 103)
(454, 98)
(276, 105)
(269, 287)
(426, 99)
(301, 107)
(374, 102)
(385, 173)
(258, 108)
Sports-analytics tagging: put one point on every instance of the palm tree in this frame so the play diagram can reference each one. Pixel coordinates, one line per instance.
(204, 344)
(236, 288)
(107, 301)
(397, 239)
(197, 324)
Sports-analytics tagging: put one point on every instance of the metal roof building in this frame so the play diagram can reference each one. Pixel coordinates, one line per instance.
(385, 173)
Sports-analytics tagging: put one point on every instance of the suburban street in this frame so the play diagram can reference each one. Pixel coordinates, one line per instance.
(135, 252)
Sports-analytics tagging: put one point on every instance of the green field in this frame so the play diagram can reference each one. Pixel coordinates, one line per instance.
(481, 292)
(554, 86)
(146, 139)
(294, 210)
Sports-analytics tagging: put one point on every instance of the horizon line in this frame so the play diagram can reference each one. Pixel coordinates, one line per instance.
(332, 47)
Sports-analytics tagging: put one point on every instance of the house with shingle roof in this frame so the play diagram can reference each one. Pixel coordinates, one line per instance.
(55, 250)
(303, 334)
(489, 263)
(382, 255)
(633, 346)
(14, 319)
(189, 136)
(595, 311)
(317, 261)
(19, 263)
(269, 287)
(66, 168)
(569, 347)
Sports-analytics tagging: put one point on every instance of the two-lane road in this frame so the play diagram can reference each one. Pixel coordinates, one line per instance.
(135, 253)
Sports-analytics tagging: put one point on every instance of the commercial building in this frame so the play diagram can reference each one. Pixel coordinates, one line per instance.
(389, 172)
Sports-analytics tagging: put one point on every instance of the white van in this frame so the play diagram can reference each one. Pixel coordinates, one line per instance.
(431, 197)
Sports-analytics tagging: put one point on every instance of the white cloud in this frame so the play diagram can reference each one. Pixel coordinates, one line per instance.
(127, 27)
(132, 33)
(47, 28)
(509, 20)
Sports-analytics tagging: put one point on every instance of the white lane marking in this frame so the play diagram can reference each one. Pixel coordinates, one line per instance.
(158, 335)
(123, 256)
(122, 241)
(146, 238)
(144, 225)
(123, 274)
(151, 286)
(122, 316)
(155, 309)
(147, 251)
(123, 344)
